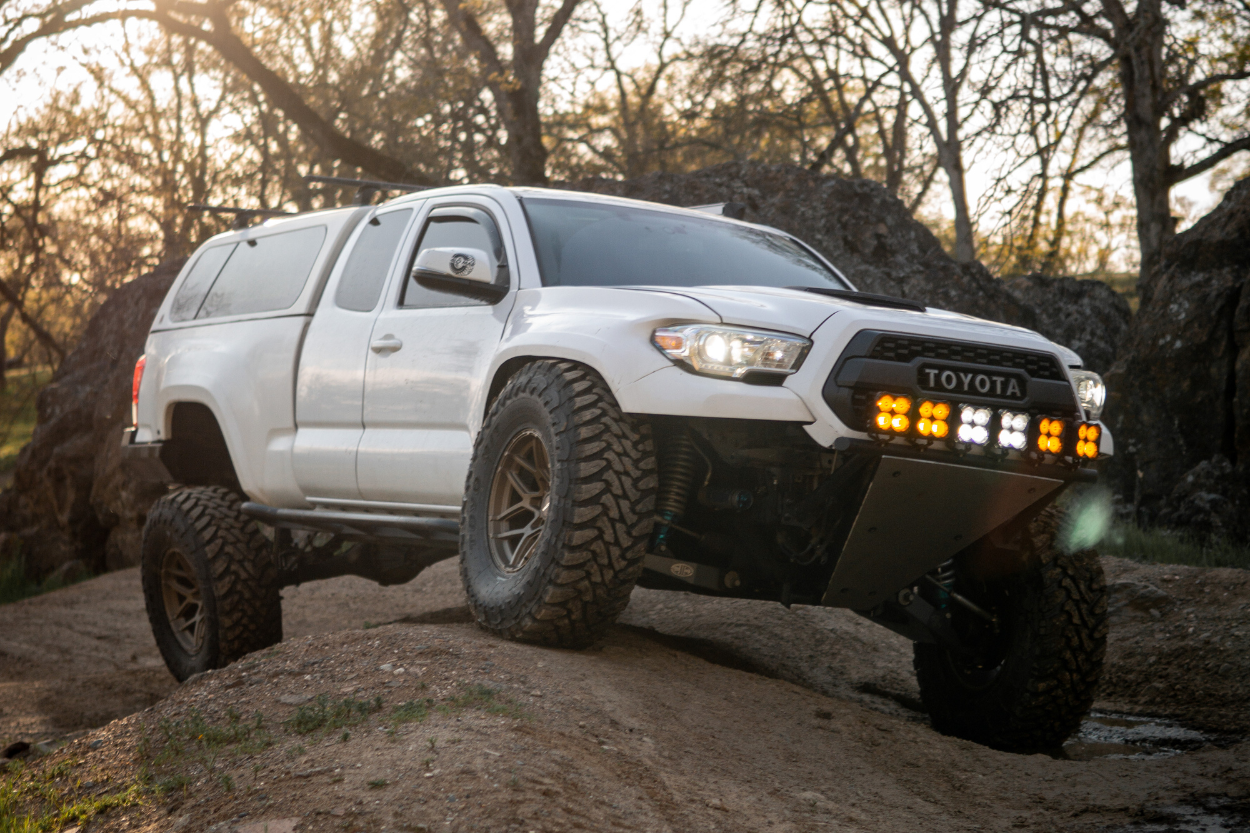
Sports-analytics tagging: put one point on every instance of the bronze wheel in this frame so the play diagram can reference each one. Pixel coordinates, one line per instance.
(210, 583)
(184, 604)
(558, 508)
(520, 497)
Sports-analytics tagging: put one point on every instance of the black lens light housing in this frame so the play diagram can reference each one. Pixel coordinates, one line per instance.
(997, 432)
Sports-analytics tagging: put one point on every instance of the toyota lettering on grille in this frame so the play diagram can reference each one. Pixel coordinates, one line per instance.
(997, 384)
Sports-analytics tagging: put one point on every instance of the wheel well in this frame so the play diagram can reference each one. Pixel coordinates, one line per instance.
(505, 372)
(195, 452)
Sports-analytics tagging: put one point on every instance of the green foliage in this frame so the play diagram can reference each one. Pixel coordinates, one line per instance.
(323, 715)
(413, 711)
(50, 801)
(478, 696)
(182, 745)
(16, 585)
(1156, 546)
(195, 733)
(17, 413)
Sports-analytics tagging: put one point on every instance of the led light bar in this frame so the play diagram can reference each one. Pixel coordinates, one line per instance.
(932, 422)
(1013, 430)
(1087, 440)
(1050, 435)
(962, 425)
(974, 425)
(892, 414)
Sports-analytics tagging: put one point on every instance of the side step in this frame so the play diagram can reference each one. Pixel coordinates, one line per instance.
(361, 525)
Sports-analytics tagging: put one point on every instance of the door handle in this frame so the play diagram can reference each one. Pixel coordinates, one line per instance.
(386, 344)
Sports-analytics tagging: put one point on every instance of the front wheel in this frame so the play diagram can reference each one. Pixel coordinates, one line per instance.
(558, 508)
(1029, 678)
(209, 582)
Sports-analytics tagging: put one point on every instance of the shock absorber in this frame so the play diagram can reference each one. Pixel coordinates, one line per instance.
(944, 574)
(943, 578)
(679, 464)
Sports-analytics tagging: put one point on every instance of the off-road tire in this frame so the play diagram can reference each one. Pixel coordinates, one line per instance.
(233, 569)
(1057, 614)
(601, 511)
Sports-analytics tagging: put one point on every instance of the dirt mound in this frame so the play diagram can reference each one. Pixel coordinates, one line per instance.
(72, 498)
(446, 728)
(1181, 390)
(695, 713)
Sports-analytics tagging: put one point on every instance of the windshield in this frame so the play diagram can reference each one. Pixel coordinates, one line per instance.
(596, 244)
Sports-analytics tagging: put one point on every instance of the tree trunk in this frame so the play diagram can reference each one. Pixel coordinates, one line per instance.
(1142, 82)
(965, 241)
(524, 126)
(4, 347)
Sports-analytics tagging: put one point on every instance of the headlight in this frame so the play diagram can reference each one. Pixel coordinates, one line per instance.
(1090, 392)
(731, 352)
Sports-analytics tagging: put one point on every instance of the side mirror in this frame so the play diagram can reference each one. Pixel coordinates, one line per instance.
(469, 271)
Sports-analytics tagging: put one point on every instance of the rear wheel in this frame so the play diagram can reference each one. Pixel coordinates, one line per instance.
(558, 508)
(1031, 676)
(209, 581)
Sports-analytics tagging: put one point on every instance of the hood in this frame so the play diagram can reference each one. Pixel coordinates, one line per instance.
(786, 310)
(802, 313)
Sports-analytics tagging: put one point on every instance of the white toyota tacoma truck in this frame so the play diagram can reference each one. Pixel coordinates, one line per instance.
(578, 394)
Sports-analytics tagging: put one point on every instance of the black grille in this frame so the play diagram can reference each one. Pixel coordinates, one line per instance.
(903, 349)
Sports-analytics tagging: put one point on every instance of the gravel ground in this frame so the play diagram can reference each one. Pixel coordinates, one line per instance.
(694, 714)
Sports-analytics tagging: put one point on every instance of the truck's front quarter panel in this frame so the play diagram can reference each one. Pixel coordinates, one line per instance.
(610, 330)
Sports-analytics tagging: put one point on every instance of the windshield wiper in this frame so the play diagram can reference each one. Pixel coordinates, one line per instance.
(865, 298)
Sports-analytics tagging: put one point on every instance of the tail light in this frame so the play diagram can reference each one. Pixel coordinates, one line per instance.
(134, 390)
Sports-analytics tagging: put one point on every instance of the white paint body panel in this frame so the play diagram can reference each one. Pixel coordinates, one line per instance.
(244, 371)
(329, 393)
(422, 399)
(312, 415)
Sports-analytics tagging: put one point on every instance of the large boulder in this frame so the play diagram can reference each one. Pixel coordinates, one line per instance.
(1181, 388)
(1086, 315)
(72, 497)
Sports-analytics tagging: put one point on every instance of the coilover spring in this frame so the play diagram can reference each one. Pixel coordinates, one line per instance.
(944, 574)
(679, 464)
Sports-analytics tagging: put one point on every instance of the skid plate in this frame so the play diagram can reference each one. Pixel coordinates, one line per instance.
(917, 514)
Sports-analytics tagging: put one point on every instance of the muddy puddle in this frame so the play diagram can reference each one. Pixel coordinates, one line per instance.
(1107, 735)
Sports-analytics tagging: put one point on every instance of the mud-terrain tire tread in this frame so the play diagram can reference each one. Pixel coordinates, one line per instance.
(243, 605)
(605, 508)
(1050, 685)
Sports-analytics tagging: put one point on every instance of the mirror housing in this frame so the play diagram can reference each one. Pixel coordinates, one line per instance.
(468, 271)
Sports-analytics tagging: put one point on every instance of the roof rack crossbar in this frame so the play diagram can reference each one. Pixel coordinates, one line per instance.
(242, 216)
(365, 188)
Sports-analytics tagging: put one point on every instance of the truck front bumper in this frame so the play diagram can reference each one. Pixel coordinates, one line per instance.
(919, 511)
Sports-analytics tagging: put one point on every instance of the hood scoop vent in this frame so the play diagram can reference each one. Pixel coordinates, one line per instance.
(866, 298)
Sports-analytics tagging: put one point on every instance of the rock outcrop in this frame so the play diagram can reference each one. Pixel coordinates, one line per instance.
(72, 497)
(1181, 389)
(1086, 315)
